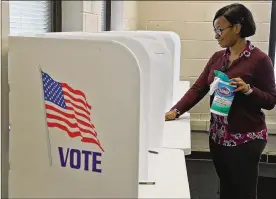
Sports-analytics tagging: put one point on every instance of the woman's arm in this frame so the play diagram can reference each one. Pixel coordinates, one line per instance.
(198, 90)
(264, 94)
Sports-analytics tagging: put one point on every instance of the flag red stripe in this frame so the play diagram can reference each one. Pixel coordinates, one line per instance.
(72, 125)
(76, 92)
(78, 113)
(72, 116)
(77, 100)
(76, 106)
(74, 134)
(81, 115)
(64, 128)
(91, 140)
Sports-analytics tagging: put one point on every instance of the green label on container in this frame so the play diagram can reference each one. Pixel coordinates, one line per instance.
(223, 99)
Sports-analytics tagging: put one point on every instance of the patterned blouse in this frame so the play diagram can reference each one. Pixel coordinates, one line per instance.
(219, 125)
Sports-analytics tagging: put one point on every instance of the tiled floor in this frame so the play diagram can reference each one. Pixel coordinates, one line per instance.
(200, 143)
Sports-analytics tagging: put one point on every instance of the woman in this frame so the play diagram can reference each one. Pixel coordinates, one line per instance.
(236, 141)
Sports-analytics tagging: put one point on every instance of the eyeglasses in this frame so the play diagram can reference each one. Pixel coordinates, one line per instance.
(219, 31)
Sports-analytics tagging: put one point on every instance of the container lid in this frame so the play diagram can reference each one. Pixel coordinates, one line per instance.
(221, 75)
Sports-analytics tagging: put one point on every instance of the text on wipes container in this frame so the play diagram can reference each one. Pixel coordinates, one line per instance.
(224, 92)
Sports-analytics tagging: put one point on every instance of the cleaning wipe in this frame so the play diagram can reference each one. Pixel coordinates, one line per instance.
(214, 85)
(224, 94)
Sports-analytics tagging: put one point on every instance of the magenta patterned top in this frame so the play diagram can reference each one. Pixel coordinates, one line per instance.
(219, 124)
(220, 135)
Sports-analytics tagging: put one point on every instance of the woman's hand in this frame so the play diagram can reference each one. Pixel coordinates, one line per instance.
(171, 115)
(241, 85)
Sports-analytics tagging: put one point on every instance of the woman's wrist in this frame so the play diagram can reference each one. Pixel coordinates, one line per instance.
(177, 112)
(250, 90)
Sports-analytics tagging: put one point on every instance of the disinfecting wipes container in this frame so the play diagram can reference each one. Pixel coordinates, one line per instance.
(223, 98)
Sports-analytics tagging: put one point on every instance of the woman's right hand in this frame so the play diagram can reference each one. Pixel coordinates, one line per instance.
(171, 115)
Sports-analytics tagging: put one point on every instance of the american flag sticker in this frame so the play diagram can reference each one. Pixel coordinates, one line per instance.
(68, 110)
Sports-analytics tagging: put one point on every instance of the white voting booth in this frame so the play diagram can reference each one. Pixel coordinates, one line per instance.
(154, 61)
(181, 139)
(172, 41)
(55, 157)
(175, 90)
(166, 38)
(156, 68)
(106, 81)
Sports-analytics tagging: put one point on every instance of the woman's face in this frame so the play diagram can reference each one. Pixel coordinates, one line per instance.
(225, 33)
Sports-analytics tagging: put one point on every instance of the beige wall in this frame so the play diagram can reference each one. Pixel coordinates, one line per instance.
(86, 16)
(192, 20)
(81, 16)
(130, 15)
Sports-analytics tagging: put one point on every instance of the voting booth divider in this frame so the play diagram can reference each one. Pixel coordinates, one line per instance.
(4, 122)
(154, 61)
(156, 70)
(86, 109)
(173, 43)
(75, 112)
(168, 40)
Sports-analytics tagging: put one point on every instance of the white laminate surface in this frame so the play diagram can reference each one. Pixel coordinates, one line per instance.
(168, 168)
(177, 134)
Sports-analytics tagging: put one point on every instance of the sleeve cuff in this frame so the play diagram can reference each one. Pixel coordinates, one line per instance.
(177, 112)
(249, 91)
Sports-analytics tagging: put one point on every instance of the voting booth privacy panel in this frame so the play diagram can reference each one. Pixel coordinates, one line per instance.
(74, 131)
(4, 18)
(165, 39)
(155, 63)
(171, 40)
(77, 138)
(158, 72)
(173, 43)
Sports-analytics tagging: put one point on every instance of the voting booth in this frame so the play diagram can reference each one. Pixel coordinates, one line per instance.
(173, 43)
(164, 39)
(74, 124)
(82, 109)
(155, 64)
(176, 134)
(170, 72)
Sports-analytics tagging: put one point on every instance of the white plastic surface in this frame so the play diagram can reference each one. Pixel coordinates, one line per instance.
(169, 169)
(4, 123)
(177, 133)
(155, 63)
(36, 170)
(173, 43)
